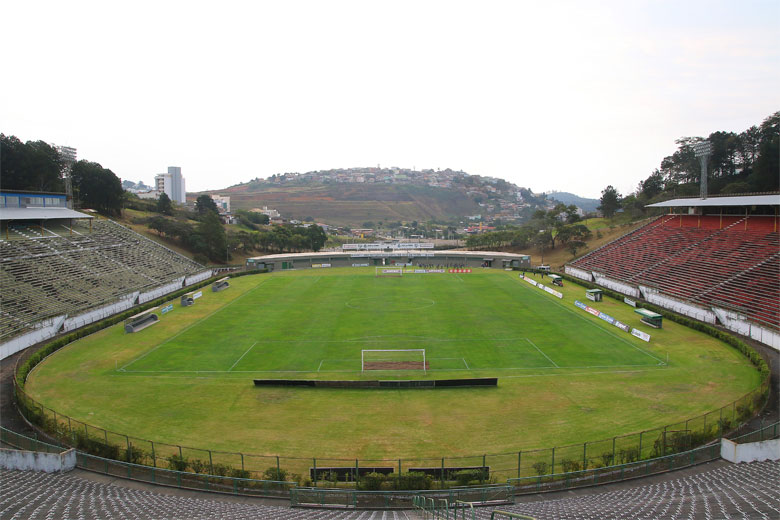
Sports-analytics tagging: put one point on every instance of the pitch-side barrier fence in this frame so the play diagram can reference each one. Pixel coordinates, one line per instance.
(443, 471)
(160, 476)
(434, 503)
(591, 477)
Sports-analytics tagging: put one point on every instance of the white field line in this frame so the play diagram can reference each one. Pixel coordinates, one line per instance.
(368, 339)
(571, 311)
(319, 367)
(581, 373)
(542, 353)
(242, 356)
(122, 368)
(561, 369)
(464, 362)
(156, 374)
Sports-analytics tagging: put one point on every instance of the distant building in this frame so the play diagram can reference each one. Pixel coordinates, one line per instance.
(172, 184)
(151, 194)
(223, 203)
(67, 153)
(272, 213)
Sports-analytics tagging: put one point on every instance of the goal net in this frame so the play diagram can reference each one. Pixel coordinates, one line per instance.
(393, 359)
(389, 271)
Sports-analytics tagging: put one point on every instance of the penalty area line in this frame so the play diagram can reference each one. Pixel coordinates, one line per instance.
(542, 353)
(198, 321)
(242, 356)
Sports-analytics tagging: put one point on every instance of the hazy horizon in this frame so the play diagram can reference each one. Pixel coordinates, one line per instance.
(569, 96)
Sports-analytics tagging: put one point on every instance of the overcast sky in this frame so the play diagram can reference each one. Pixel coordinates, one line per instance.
(568, 96)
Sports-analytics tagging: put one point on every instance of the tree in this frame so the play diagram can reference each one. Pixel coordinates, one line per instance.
(164, 205)
(212, 232)
(97, 187)
(651, 186)
(610, 201)
(31, 166)
(204, 204)
(316, 236)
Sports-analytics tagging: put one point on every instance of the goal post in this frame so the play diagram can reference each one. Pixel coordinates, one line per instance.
(389, 271)
(393, 359)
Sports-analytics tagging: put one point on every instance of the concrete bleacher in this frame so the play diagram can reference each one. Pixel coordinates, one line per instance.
(707, 260)
(723, 491)
(729, 491)
(53, 270)
(34, 495)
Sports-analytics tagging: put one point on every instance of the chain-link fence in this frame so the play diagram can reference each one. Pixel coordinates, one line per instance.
(440, 472)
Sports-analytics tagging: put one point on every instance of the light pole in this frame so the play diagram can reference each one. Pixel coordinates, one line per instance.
(703, 151)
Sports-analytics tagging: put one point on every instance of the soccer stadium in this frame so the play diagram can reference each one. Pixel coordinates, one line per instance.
(392, 379)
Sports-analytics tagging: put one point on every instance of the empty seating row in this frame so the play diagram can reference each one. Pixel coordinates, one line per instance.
(727, 261)
(45, 274)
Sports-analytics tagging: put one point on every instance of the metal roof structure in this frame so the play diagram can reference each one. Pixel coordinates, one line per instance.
(40, 214)
(396, 253)
(740, 200)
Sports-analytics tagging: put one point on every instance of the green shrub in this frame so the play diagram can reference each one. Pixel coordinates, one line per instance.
(177, 463)
(240, 473)
(199, 466)
(371, 482)
(606, 459)
(465, 477)
(540, 468)
(274, 473)
(569, 465)
(413, 480)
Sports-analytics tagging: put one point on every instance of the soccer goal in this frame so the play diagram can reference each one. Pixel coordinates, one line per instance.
(393, 359)
(389, 271)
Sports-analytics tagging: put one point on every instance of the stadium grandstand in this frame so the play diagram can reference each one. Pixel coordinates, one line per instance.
(61, 269)
(713, 259)
(721, 490)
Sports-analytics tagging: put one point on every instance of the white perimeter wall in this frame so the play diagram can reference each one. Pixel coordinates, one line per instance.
(37, 461)
(738, 323)
(750, 451)
(98, 314)
(686, 309)
(579, 273)
(161, 291)
(48, 330)
(195, 278)
(51, 327)
(623, 288)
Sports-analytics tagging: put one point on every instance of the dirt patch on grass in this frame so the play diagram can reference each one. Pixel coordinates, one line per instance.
(396, 365)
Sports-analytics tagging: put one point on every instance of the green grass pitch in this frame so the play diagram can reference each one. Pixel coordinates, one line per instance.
(564, 375)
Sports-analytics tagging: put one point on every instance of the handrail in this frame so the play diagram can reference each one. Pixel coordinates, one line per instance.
(463, 509)
(509, 514)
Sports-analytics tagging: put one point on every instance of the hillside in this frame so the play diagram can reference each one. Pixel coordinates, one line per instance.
(350, 197)
(587, 205)
(353, 204)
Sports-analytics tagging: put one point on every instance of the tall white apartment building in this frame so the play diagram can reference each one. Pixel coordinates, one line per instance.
(172, 184)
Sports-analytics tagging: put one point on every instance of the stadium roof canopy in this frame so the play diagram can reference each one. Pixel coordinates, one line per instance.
(743, 200)
(39, 214)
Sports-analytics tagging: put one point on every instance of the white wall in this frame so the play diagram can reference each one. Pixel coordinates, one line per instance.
(48, 330)
(579, 273)
(37, 460)
(750, 451)
(195, 278)
(686, 309)
(160, 291)
(98, 314)
(623, 288)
